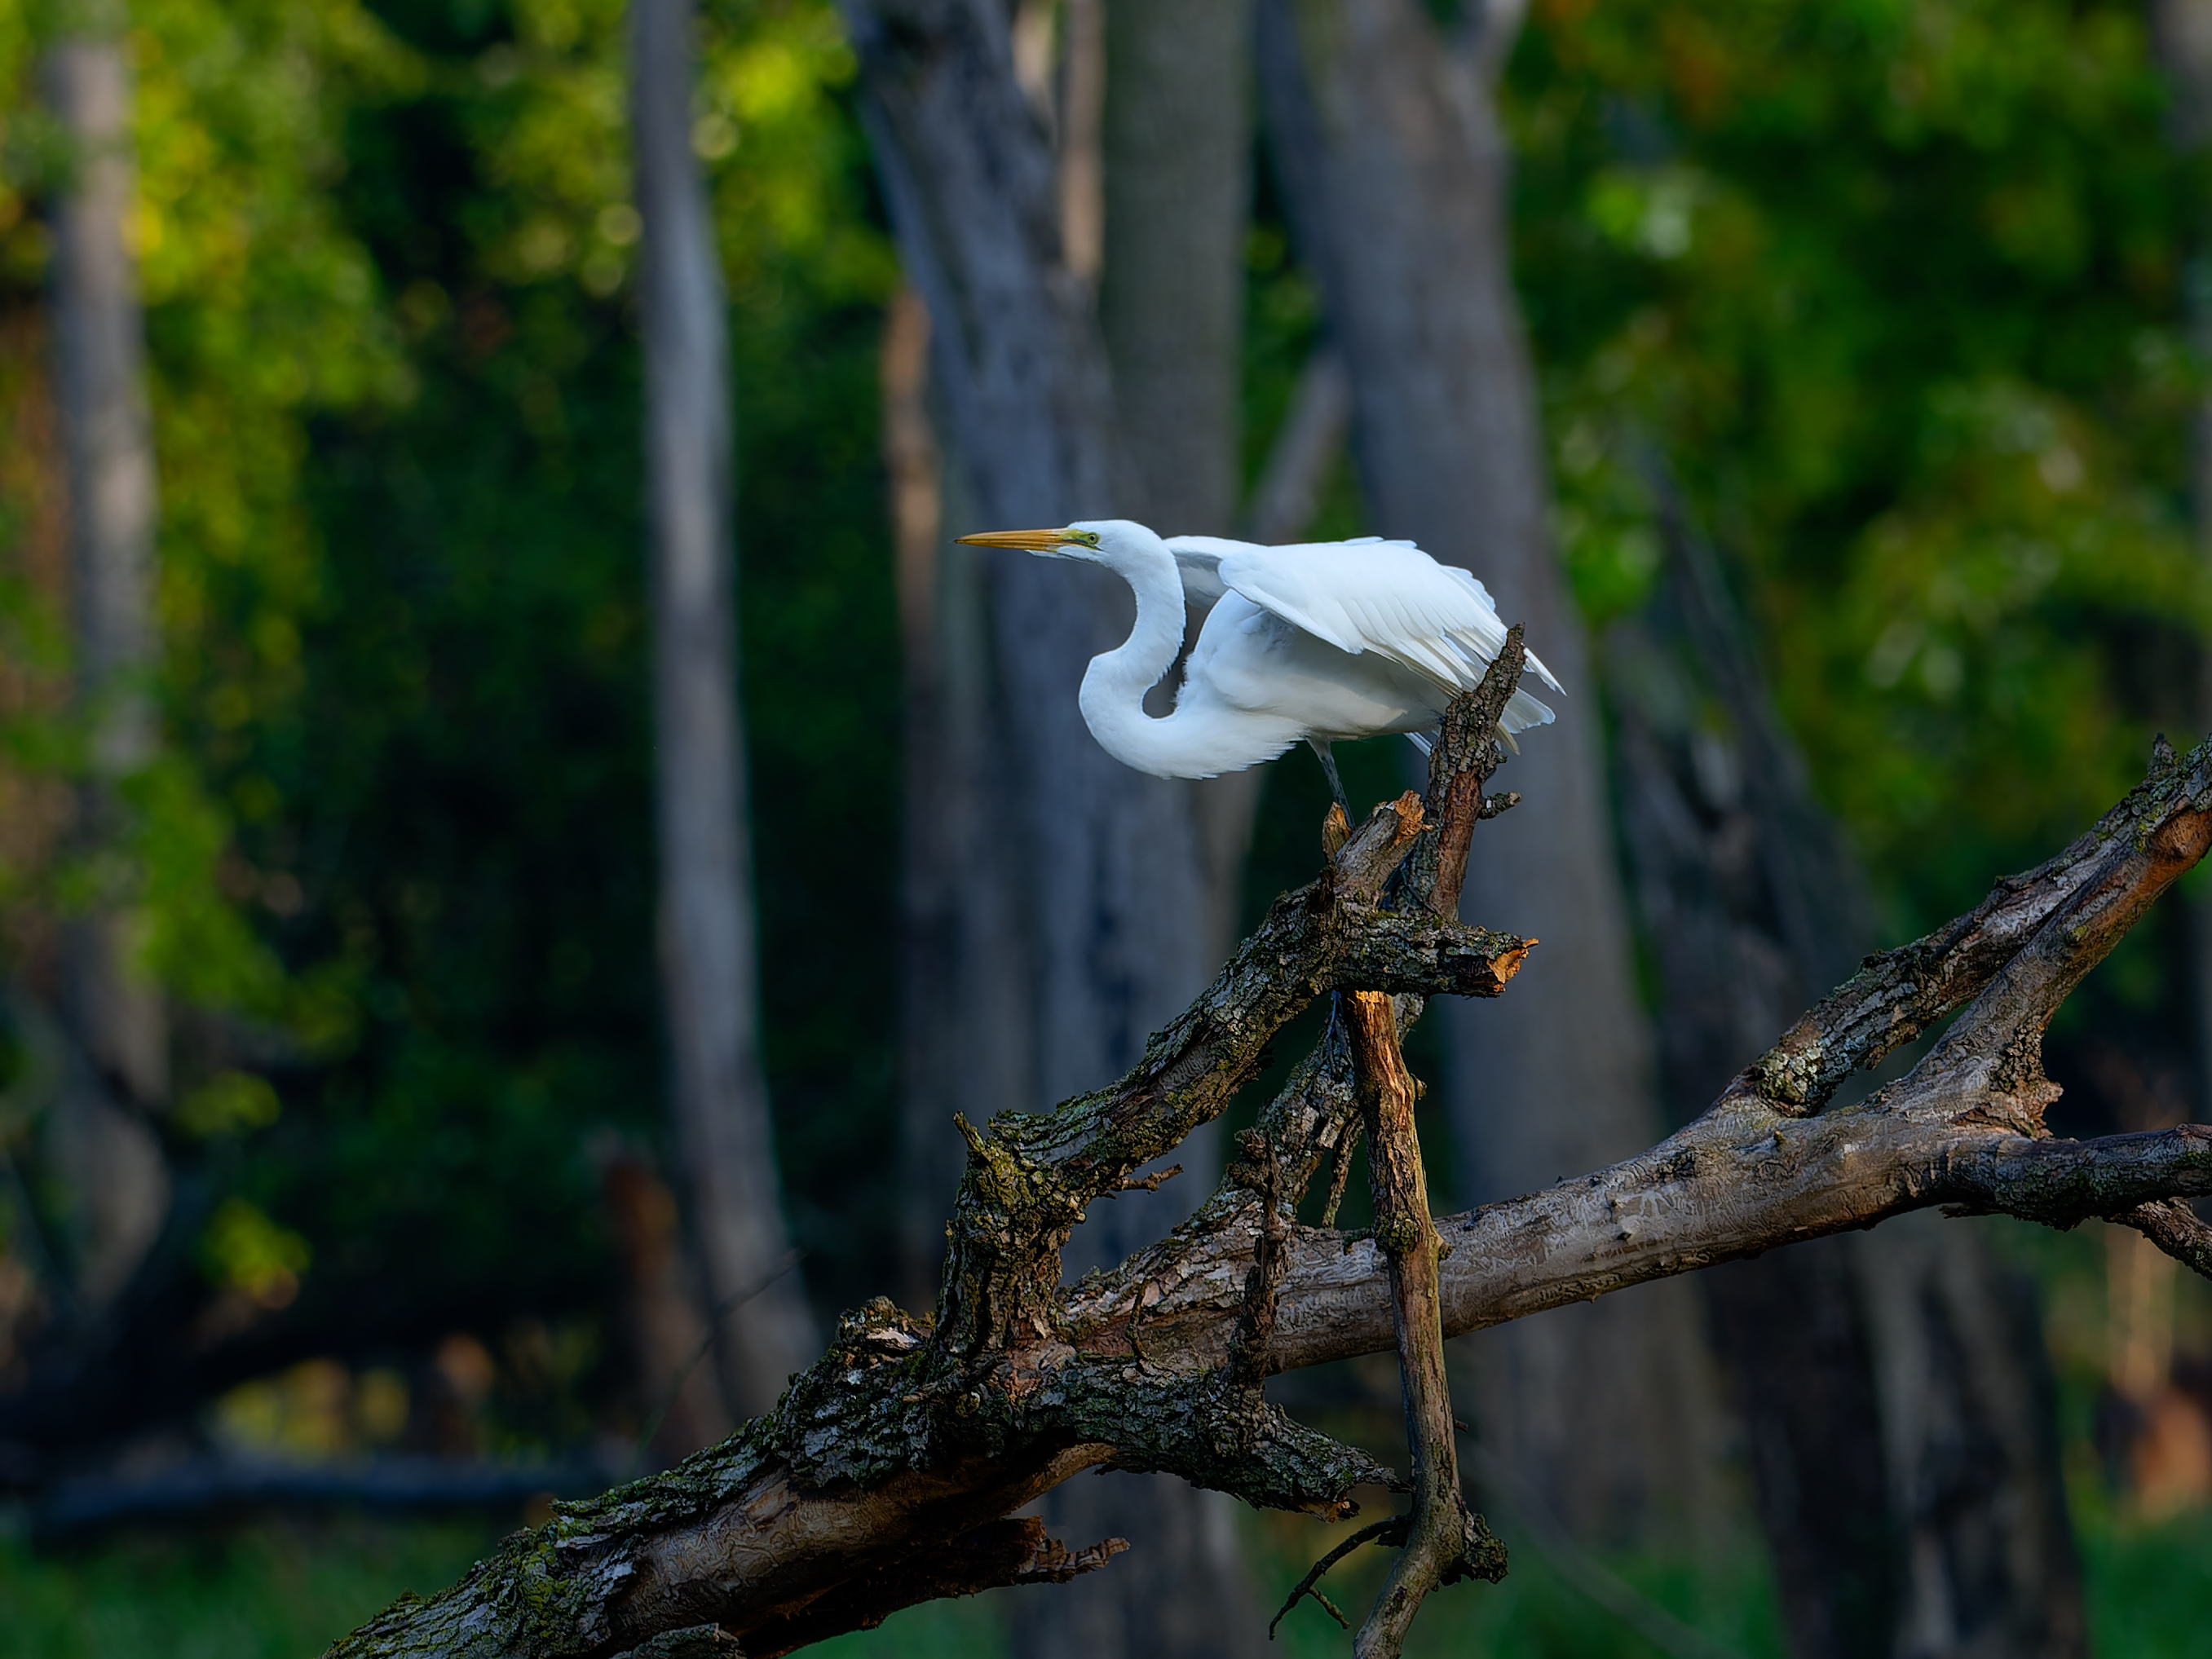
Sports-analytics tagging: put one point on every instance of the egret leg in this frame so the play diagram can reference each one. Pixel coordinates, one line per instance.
(1335, 783)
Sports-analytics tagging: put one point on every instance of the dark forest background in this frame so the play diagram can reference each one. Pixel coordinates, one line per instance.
(1906, 306)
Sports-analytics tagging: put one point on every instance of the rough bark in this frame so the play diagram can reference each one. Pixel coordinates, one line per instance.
(762, 1327)
(100, 1146)
(1394, 172)
(1441, 1539)
(872, 1485)
(1854, 1361)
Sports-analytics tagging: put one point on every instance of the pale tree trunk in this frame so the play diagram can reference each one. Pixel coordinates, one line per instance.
(1176, 148)
(102, 1146)
(762, 1327)
(929, 912)
(1893, 1386)
(1395, 171)
(964, 951)
(964, 947)
(1101, 879)
(1178, 158)
(1101, 889)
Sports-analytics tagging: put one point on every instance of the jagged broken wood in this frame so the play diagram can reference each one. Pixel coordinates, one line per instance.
(884, 1474)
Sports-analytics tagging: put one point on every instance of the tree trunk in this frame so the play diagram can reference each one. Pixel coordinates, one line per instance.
(1176, 148)
(965, 1008)
(1970, 1424)
(758, 1312)
(1788, 1326)
(1178, 163)
(1896, 1405)
(933, 804)
(1394, 173)
(103, 1149)
(1104, 879)
(1172, 301)
(1043, 958)
(2181, 34)
(1287, 493)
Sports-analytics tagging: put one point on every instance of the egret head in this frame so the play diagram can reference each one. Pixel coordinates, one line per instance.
(1076, 541)
(1120, 544)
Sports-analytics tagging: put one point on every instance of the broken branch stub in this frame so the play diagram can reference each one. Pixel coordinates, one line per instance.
(1467, 752)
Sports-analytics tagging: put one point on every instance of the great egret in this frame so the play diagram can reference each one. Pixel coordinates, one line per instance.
(1322, 641)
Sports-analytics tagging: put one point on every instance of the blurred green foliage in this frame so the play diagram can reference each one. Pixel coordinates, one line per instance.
(263, 1592)
(1899, 291)
(397, 852)
(276, 1591)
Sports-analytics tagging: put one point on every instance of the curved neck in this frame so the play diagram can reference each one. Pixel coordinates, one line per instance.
(1114, 687)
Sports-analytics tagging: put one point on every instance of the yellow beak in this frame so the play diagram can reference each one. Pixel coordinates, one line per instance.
(1032, 541)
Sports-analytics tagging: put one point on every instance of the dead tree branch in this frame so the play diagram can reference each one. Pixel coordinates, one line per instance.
(884, 1474)
(1443, 1541)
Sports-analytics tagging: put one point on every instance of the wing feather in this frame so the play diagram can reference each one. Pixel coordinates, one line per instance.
(1387, 597)
(1198, 561)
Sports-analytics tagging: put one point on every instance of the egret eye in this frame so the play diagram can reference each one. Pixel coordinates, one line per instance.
(1088, 537)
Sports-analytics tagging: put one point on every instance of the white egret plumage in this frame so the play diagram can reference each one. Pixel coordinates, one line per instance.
(1321, 640)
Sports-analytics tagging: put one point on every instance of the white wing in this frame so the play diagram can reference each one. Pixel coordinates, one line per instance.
(1385, 597)
(1198, 561)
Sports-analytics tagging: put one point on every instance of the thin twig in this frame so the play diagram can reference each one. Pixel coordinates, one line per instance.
(1151, 1183)
(1341, 1172)
(1390, 1531)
